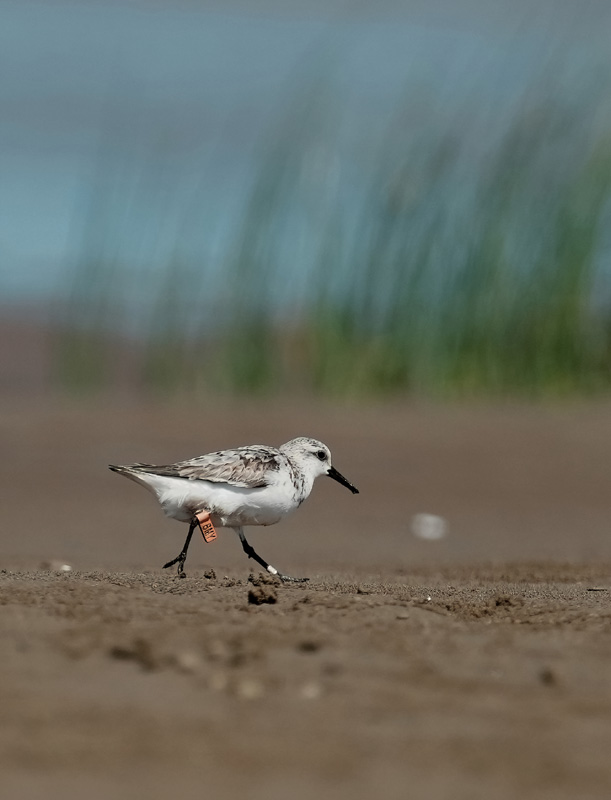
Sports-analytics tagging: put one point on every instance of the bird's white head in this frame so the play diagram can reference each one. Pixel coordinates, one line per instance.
(314, 458)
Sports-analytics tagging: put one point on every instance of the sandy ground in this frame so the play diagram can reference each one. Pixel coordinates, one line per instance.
(474, 666)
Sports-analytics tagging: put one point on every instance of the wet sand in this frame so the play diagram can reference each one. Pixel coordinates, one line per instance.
(474, 666)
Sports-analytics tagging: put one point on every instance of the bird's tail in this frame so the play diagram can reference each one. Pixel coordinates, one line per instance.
(127, 471)
(132, 472)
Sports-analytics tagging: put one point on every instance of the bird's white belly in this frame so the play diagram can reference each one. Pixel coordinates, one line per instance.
(229, 506)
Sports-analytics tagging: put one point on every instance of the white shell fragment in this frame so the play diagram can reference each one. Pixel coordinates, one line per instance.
(429, 526)
(55, 565)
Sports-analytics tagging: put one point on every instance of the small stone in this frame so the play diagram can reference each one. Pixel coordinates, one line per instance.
(260, 595)
(309, 646)
(55, 565)
(548, 677)
(140, 651)
(188, 662)
(250, 689)
(311, 691)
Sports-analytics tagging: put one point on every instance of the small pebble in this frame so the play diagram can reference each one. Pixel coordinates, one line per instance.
(260, 595)
(250, 689)
(188, 662)
(311, 691)
(54, 565)
(548, 677)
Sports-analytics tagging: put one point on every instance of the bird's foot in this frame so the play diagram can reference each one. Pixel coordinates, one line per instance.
(289, 579)
(180, 560)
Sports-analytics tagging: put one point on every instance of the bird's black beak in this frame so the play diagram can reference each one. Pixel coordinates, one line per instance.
(337, 476)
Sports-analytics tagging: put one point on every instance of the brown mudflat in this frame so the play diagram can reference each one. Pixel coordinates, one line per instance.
(473, 666)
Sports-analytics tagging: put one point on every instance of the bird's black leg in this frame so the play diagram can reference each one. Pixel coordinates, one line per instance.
(251, 553)
(180, 559)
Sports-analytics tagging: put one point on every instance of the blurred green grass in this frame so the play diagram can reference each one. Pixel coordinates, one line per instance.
(414, 260)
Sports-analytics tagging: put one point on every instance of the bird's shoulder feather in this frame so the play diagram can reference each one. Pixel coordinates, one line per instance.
(246, 467)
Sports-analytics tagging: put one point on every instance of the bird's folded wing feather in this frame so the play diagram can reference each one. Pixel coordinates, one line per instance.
(247, 467)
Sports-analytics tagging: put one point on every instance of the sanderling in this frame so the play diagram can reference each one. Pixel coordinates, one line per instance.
(256, 485)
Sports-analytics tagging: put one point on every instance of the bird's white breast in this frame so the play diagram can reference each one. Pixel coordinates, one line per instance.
(229, 506)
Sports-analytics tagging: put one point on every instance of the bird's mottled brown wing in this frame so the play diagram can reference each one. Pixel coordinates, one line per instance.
(248, 467)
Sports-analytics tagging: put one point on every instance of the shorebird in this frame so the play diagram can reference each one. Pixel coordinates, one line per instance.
(253, 485)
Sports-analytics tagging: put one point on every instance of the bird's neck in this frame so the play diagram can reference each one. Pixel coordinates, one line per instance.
(302, 482)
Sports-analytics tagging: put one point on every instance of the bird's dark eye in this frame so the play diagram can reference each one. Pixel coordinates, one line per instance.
(321, 454)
